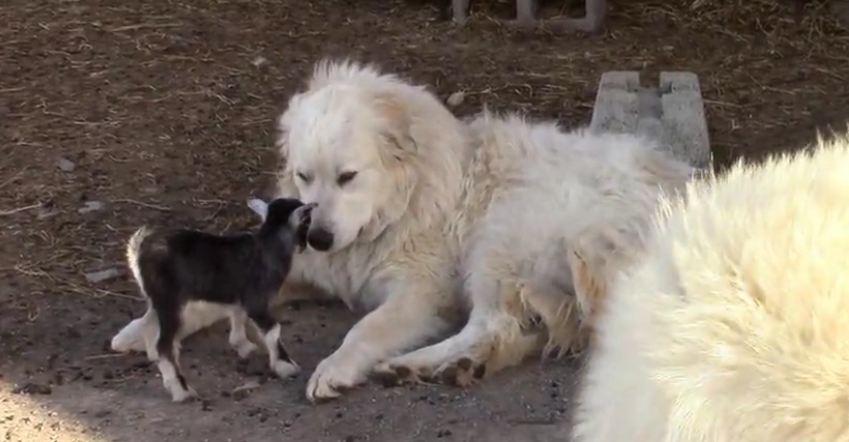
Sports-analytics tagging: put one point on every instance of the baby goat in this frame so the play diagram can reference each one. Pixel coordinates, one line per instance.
(236, 272)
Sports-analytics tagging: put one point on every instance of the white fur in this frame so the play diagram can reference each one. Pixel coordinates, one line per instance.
(282, 368)
(508, 217)
(238, 338)
(259, 207)
(172, 383)
(734, 327)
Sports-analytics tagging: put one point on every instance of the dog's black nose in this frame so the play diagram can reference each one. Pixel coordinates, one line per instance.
(320, 239)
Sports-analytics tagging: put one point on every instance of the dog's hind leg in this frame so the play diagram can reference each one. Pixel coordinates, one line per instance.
(561, 316)
(563, 300)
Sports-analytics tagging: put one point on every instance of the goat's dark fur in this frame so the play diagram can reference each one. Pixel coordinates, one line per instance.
(238, 272)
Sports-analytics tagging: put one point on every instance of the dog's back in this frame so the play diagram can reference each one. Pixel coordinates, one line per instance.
(734, 327)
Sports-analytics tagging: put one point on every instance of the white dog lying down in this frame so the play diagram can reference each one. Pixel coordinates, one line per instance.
(421, 216)
(734, 327)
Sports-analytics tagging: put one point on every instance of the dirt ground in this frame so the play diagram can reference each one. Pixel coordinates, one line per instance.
(114, 114)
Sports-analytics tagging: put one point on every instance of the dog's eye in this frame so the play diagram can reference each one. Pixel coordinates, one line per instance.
(304, 177)
(345, 177)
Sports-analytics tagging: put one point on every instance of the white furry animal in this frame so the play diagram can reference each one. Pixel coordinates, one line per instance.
(734, 326)
(421, 216)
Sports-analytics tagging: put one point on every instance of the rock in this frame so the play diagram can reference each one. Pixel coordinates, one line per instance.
(91, 206)
(102, 275)
(45, 213)
(33, 388)
(65, 165)
(840, 9)
(242, 391)
(671, 112)
(456, 98)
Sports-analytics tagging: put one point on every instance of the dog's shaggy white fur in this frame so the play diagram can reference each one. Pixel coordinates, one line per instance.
(424, 216)
(734, 326)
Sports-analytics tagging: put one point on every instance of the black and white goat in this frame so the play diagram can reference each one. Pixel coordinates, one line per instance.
(238, 273)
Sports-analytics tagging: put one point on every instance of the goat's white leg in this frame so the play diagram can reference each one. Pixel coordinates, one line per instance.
(278, 359)
(173, 379)
(168, 348)
(238, 334)
(132, 336)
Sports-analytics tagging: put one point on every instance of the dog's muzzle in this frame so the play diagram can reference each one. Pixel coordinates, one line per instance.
(320, 238)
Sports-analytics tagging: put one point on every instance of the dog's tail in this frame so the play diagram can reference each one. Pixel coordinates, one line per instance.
(135, 249)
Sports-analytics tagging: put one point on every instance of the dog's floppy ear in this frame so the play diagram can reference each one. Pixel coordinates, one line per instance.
(259, 207)
(285, 181)
(397, 124)
(284, 124)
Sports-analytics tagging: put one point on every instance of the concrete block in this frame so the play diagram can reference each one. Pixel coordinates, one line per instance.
(672, 112)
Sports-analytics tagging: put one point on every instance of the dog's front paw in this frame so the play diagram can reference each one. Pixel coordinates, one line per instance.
(332, 377)
(463, 372)
(391, 374)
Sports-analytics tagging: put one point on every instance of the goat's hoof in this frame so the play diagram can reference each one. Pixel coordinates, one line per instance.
(244, 349)
(285, 369)
(184, 395)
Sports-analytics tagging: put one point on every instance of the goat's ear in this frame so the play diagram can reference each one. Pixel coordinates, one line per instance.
(259, 207)
(397, 124)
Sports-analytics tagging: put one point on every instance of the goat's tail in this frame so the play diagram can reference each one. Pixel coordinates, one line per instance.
(135, 247)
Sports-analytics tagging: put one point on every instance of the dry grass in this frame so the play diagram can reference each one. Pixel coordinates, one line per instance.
(168, 116)
(162, 107)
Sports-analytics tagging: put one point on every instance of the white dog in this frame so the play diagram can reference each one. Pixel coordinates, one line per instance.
(734, 326)
(421, 216)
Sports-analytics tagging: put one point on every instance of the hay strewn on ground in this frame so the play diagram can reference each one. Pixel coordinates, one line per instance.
(165, 111)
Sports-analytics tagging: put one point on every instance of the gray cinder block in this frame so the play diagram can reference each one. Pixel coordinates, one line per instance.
(672, 112)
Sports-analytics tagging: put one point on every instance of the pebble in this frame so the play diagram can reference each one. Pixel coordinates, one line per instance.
(242, 391)
(840, 10)
(456, 98)
(91, 206)
(32, 388)
(65, 165)
(102, 275)
(45, 213)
